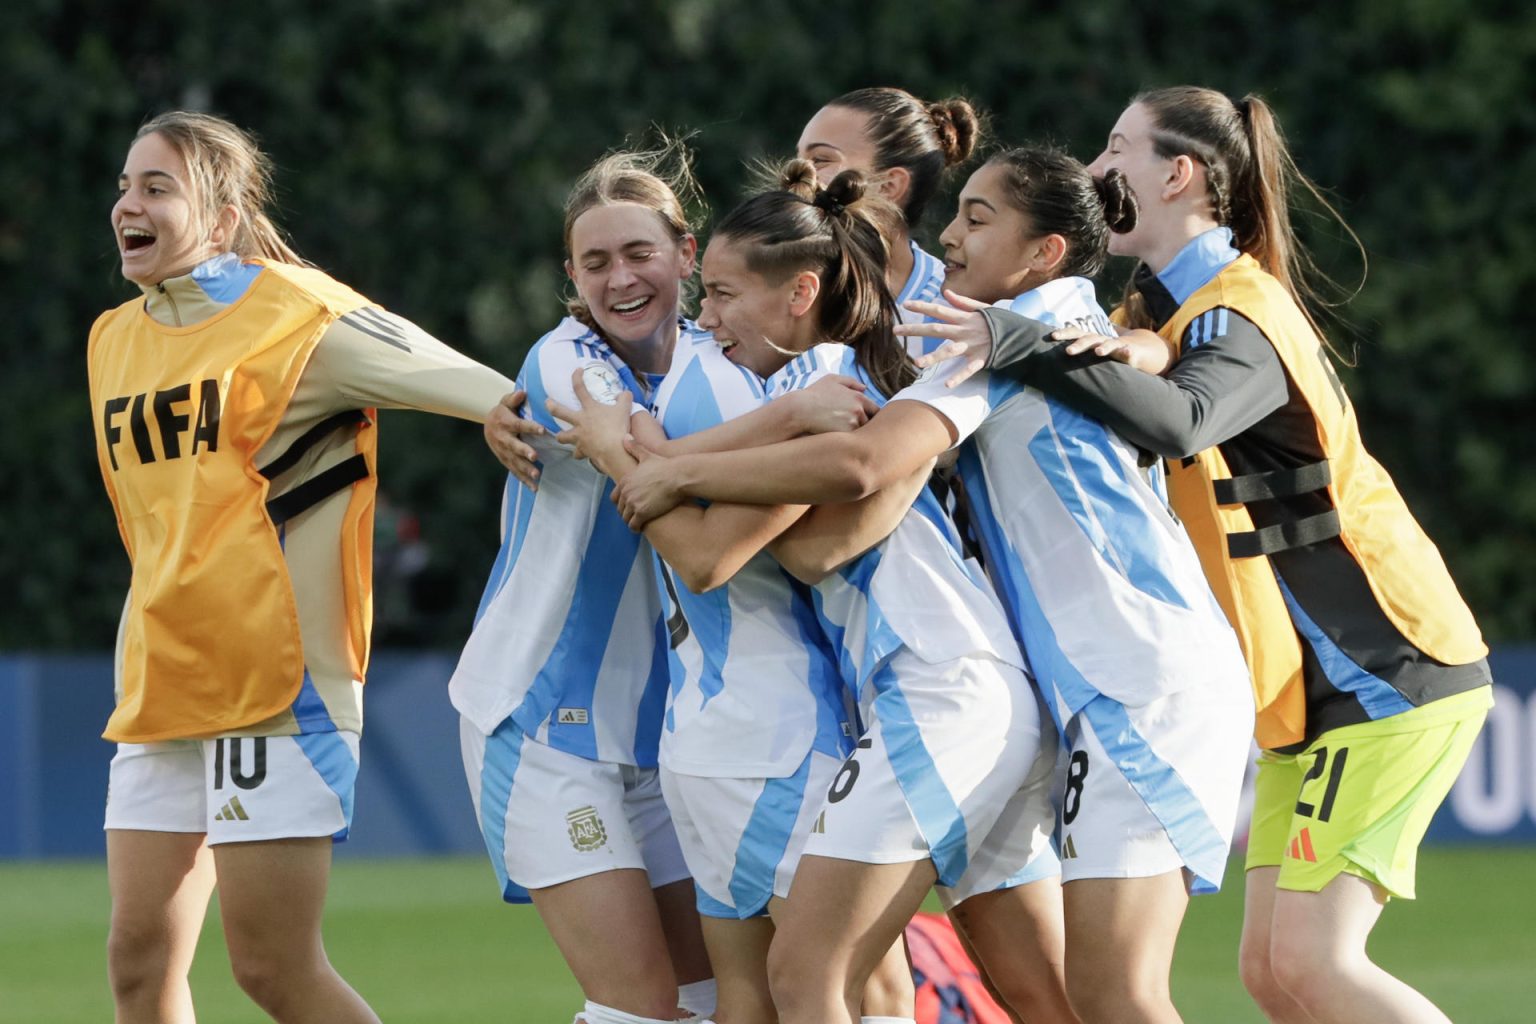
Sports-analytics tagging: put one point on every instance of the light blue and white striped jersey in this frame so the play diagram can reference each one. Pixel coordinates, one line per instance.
(925, 283)
(569, 639)
(1101, 583)
(755, 683)
(914, 589)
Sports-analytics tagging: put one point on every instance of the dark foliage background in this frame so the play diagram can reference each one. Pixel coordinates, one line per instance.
(424, 150)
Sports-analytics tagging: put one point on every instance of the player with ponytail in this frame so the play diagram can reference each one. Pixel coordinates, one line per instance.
(951, 777)
(1094, 575)
(235, 414)
(905, 147)
(1369, 672)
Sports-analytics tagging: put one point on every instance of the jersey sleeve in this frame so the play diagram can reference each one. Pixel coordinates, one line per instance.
(966, 405)
(377, 359)
(1228, 379)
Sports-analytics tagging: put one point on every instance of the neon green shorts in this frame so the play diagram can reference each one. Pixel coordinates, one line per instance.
(1359, 798)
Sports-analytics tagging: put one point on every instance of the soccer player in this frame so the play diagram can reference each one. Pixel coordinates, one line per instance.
(1369, 671)
(951, 776)
(905, 147)
(756, 723)
(561, 684)
(234, 404)
(1095, 575)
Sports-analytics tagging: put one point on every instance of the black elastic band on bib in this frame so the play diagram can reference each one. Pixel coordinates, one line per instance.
(1282, 483)
(316, 489)
(311, 437)
(1284, 536)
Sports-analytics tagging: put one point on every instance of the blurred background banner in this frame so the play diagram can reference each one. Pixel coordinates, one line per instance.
(411, 795)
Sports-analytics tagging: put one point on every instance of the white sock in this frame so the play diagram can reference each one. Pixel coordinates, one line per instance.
(886, 1020)
(698, 997)
(597, 1013)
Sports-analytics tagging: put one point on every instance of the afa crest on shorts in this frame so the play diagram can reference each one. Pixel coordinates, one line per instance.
(586, 830)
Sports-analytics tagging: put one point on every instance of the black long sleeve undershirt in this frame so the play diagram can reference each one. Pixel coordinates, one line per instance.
(1214, 392)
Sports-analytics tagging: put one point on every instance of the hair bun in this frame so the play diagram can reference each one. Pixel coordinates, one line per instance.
(1120, 209)
(958, 127)
(799, 177)
(842, 191)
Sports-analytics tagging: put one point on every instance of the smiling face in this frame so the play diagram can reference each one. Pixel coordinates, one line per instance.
(759, 324)
(1130, 150)
(836, 140)
(991, 251)
(158, 220)
(628, 269)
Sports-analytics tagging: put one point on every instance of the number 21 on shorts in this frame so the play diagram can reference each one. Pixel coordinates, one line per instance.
(1324, 810)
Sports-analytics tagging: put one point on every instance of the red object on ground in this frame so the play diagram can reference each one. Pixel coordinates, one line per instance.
(949, 987)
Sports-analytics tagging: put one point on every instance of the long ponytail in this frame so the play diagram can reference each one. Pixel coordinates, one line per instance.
(1251, 179)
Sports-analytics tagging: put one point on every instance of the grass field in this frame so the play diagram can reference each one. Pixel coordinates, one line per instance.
(426, 941)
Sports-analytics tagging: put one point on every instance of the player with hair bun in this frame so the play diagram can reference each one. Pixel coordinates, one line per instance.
(234, 403)
(1094, 574)
(951, 775)
(1369, 672)
(905, 147)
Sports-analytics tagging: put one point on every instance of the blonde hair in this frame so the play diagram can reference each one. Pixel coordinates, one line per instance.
(660, 179)
(226, 168)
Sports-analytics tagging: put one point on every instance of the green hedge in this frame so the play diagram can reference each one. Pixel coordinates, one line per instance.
(424, 151)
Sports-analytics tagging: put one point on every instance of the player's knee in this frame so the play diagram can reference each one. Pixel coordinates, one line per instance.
(1258, 976)
(1301, 966)
(1097, 994)
(888, 990)
(267, 979)
(1027, 994)
(794, 974)
(138, 959)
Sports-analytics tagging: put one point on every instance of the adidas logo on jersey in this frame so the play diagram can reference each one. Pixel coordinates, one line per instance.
(1068, 849)
(571, 716)
(1301, 847)
(232, 811)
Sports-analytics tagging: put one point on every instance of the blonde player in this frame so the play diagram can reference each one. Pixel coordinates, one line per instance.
(234, 413)
(949, 780)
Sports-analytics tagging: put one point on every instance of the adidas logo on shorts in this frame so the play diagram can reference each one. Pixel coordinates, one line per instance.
(232, 811)
(1068, 849)
(1301, 847)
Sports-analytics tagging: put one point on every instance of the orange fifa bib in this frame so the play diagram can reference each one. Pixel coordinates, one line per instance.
(211, 638)
(1405, 571)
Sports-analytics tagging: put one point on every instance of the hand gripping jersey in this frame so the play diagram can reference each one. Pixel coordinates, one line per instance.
(915, 589)
(1102, 586)
(211, 639)
(755, 683)
(1250, 516)
(568, 640)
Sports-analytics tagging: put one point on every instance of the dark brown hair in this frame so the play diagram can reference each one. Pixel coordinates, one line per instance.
(1059, 197)
(1250, 178)
(925, 139)
(835, 233)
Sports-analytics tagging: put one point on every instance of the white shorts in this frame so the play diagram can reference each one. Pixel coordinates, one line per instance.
(742, 838)
(1153, 788)
(236, 788)
(549, 817)
(948, 751)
